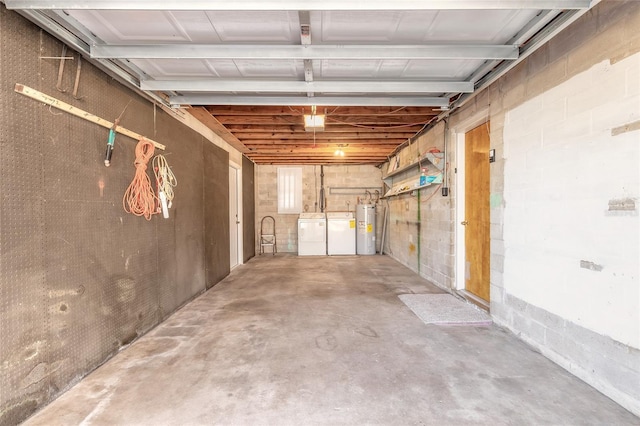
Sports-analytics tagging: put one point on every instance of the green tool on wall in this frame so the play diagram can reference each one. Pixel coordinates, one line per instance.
(110, 143)
(112, 137)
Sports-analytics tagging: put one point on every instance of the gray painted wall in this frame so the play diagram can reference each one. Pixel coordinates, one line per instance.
(79, 277)
(216, 213)
(248, 209)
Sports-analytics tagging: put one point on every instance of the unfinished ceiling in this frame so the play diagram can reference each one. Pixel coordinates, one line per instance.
(379, 71)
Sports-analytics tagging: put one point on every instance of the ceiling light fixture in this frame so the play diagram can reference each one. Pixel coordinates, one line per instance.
(313, 122)
(339, 152)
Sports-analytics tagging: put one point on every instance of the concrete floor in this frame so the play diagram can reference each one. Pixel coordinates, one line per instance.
(289, 340)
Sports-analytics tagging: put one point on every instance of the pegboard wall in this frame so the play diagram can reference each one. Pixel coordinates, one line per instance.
(216, 212)
(248, 209)
(79, 277)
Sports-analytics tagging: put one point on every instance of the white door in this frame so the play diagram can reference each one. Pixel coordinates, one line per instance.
(234, 221)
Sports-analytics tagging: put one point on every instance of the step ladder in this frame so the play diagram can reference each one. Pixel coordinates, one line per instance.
(268, 234)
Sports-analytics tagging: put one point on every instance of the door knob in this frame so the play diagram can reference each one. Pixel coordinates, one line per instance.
(464, 222)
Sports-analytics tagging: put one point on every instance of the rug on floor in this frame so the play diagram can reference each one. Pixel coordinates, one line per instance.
(444, 309)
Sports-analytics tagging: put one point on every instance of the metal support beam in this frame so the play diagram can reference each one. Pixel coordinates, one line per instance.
(308, 70)
(303, 100)
(78, 42)
(301, 52)
(563, 21)
(282, 86)
(305, 27)
(305, 40)
(289, 5)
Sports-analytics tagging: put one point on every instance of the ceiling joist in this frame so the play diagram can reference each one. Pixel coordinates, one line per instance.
(305, 135)
(327, 149)
(364, 146)
(372, 142)
(244, 129)
(289, 5)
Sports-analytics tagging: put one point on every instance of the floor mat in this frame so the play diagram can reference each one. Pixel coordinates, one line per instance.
(444, 309)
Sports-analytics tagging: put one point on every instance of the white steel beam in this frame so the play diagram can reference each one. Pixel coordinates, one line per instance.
(247, 5)
(305, 40)
(301, 52)
(283, 86)
(303, 100)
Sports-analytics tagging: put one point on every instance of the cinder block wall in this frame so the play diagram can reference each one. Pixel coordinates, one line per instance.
(79, 277)
(564, 199)
(344, 186)
(420, 223)
(571, 229)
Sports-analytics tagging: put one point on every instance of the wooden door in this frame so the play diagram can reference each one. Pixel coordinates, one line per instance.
(477, 213)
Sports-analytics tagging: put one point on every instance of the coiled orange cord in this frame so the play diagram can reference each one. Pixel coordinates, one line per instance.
(139, 199)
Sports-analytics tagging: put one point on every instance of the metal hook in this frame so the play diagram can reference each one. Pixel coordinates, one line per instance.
(61, 69)
(76, 84)
(51, 111)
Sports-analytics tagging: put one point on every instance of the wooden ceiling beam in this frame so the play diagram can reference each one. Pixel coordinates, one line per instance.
(246, 137)
(338, 160)
(239, 129)
(378, 159)
(327, 150)
(218, 128)
(317, 161)
(314, 160)
(258, 145)
(380, 146)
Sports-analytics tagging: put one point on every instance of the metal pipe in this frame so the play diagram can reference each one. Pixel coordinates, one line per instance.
(419, 224)
(322, 189)
(445, 180)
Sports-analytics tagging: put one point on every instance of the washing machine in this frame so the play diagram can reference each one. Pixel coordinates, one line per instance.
(341, 233)
(312, 234)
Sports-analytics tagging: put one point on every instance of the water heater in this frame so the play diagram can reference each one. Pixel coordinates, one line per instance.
(366, 229)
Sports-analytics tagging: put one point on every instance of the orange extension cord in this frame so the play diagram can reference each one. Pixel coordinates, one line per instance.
(139, 199)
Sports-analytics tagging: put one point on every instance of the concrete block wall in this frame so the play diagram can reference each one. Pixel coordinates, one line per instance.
(564, 198)
(420, 231)
(571, 228)
(344, 186)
